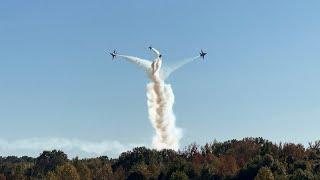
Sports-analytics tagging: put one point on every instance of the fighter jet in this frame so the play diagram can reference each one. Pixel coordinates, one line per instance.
(113, 54)
(154, 68)
(202, 54)
(156, 64)
(155, 51)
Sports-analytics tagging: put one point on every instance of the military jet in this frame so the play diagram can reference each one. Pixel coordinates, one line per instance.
(155, 51)
(154, 68)
(202, 54)
(156, 64)
(113, 54)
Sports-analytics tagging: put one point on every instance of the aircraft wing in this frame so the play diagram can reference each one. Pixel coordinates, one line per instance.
(143, 63)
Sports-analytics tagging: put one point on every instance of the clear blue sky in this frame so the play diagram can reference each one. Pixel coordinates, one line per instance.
(260, 77)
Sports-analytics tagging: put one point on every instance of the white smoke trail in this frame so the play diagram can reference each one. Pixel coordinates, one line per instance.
(167, 71)
(144, 64)
(160, 100)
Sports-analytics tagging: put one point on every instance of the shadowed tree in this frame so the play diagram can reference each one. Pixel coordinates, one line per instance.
(119, 174)
(49, 161)
(300, 174)
(136, 176)
(178, 175)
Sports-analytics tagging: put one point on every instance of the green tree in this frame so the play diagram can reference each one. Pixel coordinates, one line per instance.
(178, 175)
(17, 176)
(300, 174)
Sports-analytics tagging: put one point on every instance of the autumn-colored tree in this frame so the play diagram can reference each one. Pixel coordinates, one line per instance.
(105, 172)
(82, 169)
(95, 164)
(51, 176)
(119, 174)
(67, 172)
(264, 173)
(143, 169)
(249, 158)
(227, 166)
(292, 152)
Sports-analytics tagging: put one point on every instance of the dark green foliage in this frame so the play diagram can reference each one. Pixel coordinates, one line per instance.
(48, 161)
(136, 176)
(249, 158)
(300, 174)
(179, 175)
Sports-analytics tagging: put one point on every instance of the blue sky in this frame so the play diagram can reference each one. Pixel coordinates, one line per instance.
(260, 77)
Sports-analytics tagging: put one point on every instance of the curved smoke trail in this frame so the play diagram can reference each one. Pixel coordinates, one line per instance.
(167, 71)
(160, 100)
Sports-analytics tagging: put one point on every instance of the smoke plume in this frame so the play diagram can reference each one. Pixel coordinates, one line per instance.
(160, 100)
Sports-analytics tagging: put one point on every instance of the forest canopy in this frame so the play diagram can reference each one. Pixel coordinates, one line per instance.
(249, 158)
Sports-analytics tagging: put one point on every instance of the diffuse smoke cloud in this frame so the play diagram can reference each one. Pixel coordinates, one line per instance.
(73, 147)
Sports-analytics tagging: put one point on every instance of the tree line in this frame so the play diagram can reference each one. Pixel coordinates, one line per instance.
(249, 158)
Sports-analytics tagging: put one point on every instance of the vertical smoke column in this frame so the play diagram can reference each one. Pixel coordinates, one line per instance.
(160, 102)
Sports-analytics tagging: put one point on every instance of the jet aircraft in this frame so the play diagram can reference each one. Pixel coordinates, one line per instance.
(202, 54)
(113, 54)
